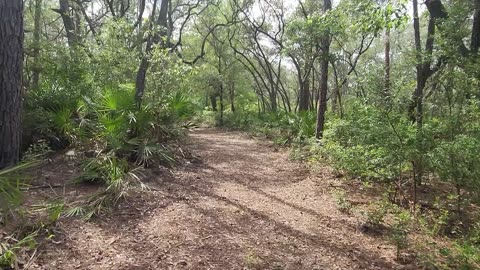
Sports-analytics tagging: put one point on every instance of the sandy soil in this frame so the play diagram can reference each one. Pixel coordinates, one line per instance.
(242, 205)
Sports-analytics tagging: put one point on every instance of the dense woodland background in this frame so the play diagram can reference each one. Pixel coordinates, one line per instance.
(385, 91)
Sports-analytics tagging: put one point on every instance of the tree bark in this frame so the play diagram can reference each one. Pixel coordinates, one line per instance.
(475, 43)
(141, 77)
(418, 94)
(304, 98)
(437, 11)
(11, 69)
(386, 89)
(89, 21)
(232, 95)
(37, 30)
(424, 62)
(213, 101)
(68, 23)
(157, 38)
(222, 107)
(322, 106)
(163, 23)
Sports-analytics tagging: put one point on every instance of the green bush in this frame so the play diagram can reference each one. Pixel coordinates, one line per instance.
(457, 161)
(370, 144)
(282, 127)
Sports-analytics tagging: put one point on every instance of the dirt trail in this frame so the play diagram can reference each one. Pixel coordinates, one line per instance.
(244, 206)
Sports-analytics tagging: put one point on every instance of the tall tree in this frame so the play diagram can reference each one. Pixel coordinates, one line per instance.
(64, 10)
(386, 86)
(303, 53)
(475, 43)
(37, 29)
(423, 72)
(322, 102)
(11, 68)
(156, 38)
(386, 83)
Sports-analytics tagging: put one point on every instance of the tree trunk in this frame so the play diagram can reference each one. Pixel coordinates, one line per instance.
(336, 89)
(424, 60)
(475, 43)
(213, 100)
(143, 68)
(141, 78)
(273, 100)
(221, 105)
(68, 23)
(304, 98)
(322, 106)
(90, 23)
(162, 21)
(317, 94)
(386, 89)
(312, 92)
(37, 29)
(232, 96)
(11, 69)
(418, 96)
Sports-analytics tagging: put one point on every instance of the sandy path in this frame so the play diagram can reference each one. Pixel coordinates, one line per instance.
(245, 206)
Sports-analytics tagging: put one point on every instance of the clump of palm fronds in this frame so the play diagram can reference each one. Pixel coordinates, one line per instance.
(11, 247)
(125, 139)
(118, 177)
(11, 183)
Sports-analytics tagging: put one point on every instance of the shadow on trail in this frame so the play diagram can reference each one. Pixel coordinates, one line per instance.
(216, 215)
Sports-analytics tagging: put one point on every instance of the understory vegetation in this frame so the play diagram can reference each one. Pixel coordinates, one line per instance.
(386, 93)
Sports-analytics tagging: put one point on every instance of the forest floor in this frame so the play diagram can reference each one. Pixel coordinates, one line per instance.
(241, 205)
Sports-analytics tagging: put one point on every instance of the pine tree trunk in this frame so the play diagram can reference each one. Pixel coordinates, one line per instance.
(11, 68)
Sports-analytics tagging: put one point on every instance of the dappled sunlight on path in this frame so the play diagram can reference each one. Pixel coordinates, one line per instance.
(245, 206)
